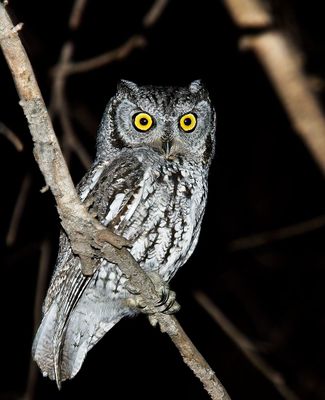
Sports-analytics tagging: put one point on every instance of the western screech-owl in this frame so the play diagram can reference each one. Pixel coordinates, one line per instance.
(149, 184)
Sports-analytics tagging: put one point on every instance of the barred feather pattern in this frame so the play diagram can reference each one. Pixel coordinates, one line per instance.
(155, 202)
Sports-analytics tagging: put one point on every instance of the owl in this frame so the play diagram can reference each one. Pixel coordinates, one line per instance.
(148, 184)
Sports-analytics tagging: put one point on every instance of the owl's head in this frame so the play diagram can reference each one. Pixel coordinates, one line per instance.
(176, 122)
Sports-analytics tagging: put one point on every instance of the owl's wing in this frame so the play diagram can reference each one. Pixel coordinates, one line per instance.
(73, 320)
(106, 190)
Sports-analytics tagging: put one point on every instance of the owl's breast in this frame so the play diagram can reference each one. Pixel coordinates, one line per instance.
(163, 216)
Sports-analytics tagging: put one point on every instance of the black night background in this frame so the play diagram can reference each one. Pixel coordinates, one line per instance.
(263, 179)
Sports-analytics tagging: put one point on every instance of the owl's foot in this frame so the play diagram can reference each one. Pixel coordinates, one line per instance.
(167, 303)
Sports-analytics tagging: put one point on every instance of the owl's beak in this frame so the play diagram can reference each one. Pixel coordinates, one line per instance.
(170, 149)
(166, 145)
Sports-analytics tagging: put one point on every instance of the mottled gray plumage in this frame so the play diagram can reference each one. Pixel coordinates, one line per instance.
(149, 184)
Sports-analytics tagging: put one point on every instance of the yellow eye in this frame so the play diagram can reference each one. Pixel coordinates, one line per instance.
(142, 122)
(188, 122)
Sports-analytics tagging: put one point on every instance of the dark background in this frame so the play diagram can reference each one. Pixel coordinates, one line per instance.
(263, 178)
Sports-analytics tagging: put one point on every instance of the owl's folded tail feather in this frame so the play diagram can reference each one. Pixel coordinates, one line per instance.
(83, 330)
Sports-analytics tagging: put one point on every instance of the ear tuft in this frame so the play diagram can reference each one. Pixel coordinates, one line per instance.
(125, 86)
(196, 86)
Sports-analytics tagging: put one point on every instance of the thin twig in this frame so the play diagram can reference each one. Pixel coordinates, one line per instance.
(282, 63)
(246, 346)
(121, 52)
(76, 14)
(11, 136)
(83, 230)
(42, 277)
(18, 210)
(154, 13)
(58, 84)
(286, 232)
(59, 106)
(72, 141)
(66, 67)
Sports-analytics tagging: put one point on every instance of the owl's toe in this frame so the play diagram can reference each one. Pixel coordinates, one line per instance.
(166, 303)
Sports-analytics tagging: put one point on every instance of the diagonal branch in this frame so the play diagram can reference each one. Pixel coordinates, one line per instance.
(154, 13)
(246, 346)
(44, 266)
(18, 210)
(76, 14)
(88, 238)
(11, 136)
(282, 63)
(121, 52)
(286, 232)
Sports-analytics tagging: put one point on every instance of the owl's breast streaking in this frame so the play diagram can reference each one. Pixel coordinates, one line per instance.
(155, 203)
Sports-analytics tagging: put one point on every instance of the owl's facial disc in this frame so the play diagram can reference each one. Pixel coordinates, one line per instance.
(176, 122)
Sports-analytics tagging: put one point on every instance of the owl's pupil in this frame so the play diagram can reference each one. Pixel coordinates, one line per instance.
(187, 121)
(144, 121)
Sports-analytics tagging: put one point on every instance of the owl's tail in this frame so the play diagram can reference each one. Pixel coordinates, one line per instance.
(60, 352)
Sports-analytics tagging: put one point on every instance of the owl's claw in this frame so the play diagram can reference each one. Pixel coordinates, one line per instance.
(167, 303)
(131, 289)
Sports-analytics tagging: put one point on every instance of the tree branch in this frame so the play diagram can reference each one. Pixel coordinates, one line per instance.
(43, 269)
(18, 210)
(59, 106)
(121, 52)
(86, 233)
(282, 63)
(249, 13)
(76, 14)
(154, 13)
(246, 346)
(11, 136)
(286, 232)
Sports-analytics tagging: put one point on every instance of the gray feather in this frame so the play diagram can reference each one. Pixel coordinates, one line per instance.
(151, 188)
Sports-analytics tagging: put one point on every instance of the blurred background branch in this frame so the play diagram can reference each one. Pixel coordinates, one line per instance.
(246, 346)
(283, 63)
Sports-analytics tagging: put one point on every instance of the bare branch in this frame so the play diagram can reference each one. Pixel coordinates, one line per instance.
(18, 210)
(282, 62)
(65, 67)
(59, 78)
(154, 13)
(121, 52)
(59, 106)
(11, 136)
(72, 141)
(83, 230)
(248, 13)
(286, 232)
(42, 277)
(76, 14)
(246, 346)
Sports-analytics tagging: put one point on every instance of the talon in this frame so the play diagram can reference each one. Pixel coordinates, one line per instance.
(164, 297)
(130, 288)
(175, 307)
